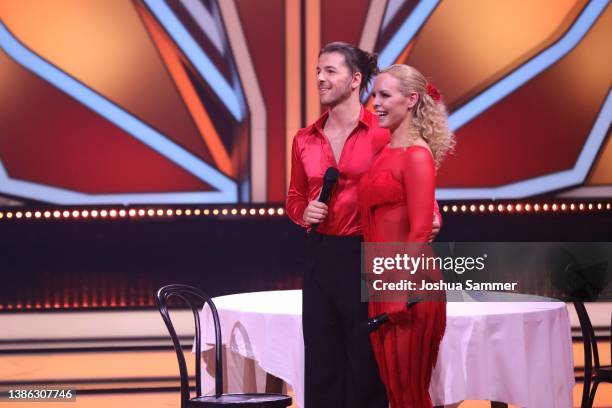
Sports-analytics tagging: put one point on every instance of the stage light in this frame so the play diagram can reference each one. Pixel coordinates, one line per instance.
(518, 208)
(262, 211)
(527, 207)
(536, 207)
(94, 213)
(37, 214)
(18, 214)
(234, 211)
(141, 212)
(28, 214)
(281, 211)
(482, 208)
(491, 208)
(112, 213)
(572, 206)
(75, 214)
(463, 208)
(197, 212)
(252, 211)
(160, 212)
(215, 212)
(243, 211)
(47, 214)
(206, 211)
(500, 208)
(103, 213)
(554, 207)
(224, 211)
(590, 206)
(271, 211)
(454, 208)
(122, 213)
(188, 212)
(563, 207)
(510, 207)
(85, 214)
(9, 215)
(57, 214)
(599, 206)
(179, 212)
(445, 208)
(169, 212)
(608, 206)
(581, 206)
(1, 215)
(150, 212)
(472, 208)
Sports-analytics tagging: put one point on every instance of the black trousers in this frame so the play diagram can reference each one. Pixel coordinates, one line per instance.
(341, 371)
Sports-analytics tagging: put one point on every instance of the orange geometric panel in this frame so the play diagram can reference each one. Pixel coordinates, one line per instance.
(104, 45)
(467, 45)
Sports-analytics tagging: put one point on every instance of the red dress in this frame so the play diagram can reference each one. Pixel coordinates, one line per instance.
(397, 205)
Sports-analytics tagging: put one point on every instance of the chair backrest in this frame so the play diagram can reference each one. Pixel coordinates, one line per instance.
(196, 299)
(588, 336)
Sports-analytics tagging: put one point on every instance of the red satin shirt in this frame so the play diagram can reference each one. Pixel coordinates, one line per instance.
(312, 155)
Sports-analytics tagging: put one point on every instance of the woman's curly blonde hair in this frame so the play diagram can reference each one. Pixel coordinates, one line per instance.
(429, 117)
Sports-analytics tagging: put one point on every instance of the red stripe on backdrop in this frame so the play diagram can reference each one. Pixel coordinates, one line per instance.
(343, 20)
(49, 138)
(263, 22)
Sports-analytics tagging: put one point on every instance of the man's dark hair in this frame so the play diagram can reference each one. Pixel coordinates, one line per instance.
(356, 59)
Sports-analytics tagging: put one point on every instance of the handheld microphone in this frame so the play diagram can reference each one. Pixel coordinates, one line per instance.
(374, 323)
(329, 181)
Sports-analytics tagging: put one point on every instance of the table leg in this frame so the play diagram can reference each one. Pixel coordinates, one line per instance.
(273, 384)
(496, 404)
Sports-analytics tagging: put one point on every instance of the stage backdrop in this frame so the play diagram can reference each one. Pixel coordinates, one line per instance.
(196, 101)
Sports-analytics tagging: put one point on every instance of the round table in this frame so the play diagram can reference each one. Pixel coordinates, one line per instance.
(519, 352)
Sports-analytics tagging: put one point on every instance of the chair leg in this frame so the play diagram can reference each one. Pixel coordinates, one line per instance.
(586, 390)
(592, 394)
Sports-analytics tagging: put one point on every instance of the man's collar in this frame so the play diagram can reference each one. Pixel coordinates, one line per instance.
(365, 118)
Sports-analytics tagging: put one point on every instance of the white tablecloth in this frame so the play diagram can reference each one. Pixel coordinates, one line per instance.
(515, 352)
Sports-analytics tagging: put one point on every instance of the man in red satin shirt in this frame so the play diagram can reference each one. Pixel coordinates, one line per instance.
(340, 370)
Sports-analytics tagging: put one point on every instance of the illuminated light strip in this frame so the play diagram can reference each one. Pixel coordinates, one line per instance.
(197, 57)
(527, 208)
(257, 105)
(139, 130)
(206, 22)
(157, 212)
(392, 7)
(176, 69)
(403, 37)
(529, 70)
(550, 182)
(523, 208)
(407, 31)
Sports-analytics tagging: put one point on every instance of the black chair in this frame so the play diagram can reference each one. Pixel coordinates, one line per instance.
(593, 373)
(196, 299)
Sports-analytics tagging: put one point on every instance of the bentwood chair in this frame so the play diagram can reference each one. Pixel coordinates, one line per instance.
(594, 372)
(196, 299)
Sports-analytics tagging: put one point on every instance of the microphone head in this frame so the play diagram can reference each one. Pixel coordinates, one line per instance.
(331, 175)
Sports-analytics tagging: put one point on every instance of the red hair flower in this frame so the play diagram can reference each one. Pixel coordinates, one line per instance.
(433, 92)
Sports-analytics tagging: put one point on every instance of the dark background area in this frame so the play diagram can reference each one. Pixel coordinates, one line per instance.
(68, 264)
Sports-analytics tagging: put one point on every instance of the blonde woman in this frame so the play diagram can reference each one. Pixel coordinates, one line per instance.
(397, 200)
